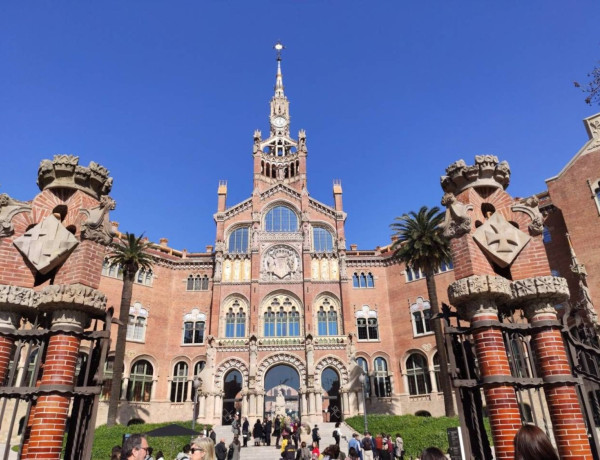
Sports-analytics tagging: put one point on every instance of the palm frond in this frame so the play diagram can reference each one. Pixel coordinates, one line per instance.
(131, 253)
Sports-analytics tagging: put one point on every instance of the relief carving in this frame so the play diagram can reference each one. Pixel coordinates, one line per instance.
(46, 245)
(281, 263)
(97, 227)
(72, 296)
(8, 209)
(530, 207)
(457, 221)
(499, 240)
(16, 297)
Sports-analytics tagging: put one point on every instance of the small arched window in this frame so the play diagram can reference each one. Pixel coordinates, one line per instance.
(139, 388)
(322, 240)
(197, 283)
(327, 319)
(281, 219)
(238, 240)
(179, 382)
(417, 374)
(235, 321)
(109, 365)
(198, 367)
(355, 282)
(383, 387)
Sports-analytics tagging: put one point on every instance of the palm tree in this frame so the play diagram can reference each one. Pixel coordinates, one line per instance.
(421, 245)
(130, 253)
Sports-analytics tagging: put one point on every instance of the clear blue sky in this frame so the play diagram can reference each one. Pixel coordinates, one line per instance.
(167, 95)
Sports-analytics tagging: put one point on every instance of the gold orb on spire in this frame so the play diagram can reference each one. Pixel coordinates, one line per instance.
(278, 47)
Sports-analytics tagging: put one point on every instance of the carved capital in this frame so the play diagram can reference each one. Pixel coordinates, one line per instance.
(9, 321)
(479, 294)
(72, 297)
(551, 289)
(69, 320)
(17, 298)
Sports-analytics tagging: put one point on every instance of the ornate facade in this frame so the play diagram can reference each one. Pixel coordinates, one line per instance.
(279, 306)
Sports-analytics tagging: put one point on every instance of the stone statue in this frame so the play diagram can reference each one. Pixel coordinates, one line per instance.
(457, 221)
(280, 403)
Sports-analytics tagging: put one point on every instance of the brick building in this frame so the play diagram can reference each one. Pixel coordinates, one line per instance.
(281, 307)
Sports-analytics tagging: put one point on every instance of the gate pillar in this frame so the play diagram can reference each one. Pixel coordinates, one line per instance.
(477, 298)
(539, 295)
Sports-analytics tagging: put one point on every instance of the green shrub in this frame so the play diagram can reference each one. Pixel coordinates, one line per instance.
(417, 433)
(107, 437)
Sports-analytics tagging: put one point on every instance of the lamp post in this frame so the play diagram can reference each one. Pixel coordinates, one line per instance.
(362, 378)
(195, 386)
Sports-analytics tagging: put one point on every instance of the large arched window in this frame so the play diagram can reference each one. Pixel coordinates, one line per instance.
(364, 365)
(179, 383)
(238, 240)
(139, 388)
(327, 318)
(235, 321)
(281, 318)
(417, 374)
(193, 332)
(322, 240)
(383, 387)
(281, 219)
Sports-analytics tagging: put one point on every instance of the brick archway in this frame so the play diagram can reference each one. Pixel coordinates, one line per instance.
(226, 366)
(276, 359)
(334, 362)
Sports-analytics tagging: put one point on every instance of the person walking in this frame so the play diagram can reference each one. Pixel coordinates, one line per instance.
(354, 444)
(337, 433)
(267, 434)
(221, 450)
(315, 435)
(367, 446)
(245, 431)
(277, 431)
(257, 432)
(234, 449)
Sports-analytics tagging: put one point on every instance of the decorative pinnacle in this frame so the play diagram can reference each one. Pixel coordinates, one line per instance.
(278, 47)
(279, 79)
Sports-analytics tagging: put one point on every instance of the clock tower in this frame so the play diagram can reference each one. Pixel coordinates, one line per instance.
(279, 158)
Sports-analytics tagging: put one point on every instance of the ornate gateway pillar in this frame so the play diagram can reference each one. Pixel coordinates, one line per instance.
(500, 265)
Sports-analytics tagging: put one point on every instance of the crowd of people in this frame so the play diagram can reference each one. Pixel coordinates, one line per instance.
(530, 443)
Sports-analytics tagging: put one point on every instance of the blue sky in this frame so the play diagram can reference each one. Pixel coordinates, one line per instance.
(167, 96)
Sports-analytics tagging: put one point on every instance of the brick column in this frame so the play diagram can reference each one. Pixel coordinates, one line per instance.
(476, 298)
(540, 295)
(48, 428)
(9, 322)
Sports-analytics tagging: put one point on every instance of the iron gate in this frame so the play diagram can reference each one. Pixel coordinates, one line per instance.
(19, 387)
(583, 349)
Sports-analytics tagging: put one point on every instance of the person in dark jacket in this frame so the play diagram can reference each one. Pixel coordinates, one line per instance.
(268, 429)
(221, 450)
(315, 435)
(245, 431)
(277, 431)
(257, 432)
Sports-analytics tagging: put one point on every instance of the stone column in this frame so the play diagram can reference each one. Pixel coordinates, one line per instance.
(361, 402)
(303, 405)
(476, 299)
(345, 403)
(190, 391)
(124, 385)
(539, 295)
(9, 322)
(311, 402)
(245, 404)
(201, 406)
(252, 402)
(260, 404)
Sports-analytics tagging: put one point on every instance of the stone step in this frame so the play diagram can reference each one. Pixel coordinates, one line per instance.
(253, 452)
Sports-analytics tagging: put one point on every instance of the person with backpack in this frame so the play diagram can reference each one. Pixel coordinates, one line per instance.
(337, 434)
(316, 437)
(303, 453)
(277, 431)
(354, 444)
(221, 450)
(289, 451)
(233, 453)
(367, 446)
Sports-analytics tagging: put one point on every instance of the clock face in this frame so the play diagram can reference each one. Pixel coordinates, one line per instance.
(279, 122)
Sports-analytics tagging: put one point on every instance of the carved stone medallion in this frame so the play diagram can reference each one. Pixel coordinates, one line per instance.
(281, 263)
(46, 245)
(499, 240)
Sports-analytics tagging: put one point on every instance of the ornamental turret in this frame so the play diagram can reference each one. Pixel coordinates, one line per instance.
(279, 158)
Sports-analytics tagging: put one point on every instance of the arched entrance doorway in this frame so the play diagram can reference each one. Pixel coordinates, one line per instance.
(282, 383)
(332, 401)
(232, 398)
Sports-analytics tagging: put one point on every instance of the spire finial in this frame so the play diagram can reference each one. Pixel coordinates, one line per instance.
(279, 79)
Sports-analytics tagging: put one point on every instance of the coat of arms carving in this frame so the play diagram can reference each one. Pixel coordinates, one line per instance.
(281, 263)
(500, 241)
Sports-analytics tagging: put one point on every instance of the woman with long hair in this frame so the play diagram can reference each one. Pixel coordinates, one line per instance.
(531, 443)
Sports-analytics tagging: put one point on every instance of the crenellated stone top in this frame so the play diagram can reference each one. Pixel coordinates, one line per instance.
(486, 172)
(64, 171)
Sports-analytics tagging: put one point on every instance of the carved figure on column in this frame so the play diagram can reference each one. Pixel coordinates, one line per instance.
(310, 356)
(257, 141)
(457, 221)
(351, 348)
(97, 227)
(253, 348)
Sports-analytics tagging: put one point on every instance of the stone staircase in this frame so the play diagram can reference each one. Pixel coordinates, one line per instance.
(271, 453)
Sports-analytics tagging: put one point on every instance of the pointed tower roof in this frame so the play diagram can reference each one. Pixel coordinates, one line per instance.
(279, 78)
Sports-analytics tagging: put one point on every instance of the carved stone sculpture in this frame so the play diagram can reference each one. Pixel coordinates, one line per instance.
(8, 209)
(499, 240)
(281, 263)
(457, 221)
(97, 226)
(72, 296)
(46, 245)
(486, 172)
(530, 207)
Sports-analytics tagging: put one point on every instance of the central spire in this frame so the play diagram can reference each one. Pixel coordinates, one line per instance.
(279, 79)
(280, 106)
